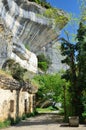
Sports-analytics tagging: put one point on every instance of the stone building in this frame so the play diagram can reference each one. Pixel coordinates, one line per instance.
(14, 100)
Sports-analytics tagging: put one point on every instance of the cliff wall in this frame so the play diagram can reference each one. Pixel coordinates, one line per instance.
(29, 29)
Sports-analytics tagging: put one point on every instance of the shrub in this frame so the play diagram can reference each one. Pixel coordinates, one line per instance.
(31, 114)
(24, 116)
(43, 65)
(15, 121)
(43, 62)
(6, 123)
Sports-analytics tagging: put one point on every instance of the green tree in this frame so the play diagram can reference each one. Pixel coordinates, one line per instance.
(81, 57)
(50, 87)
(81, 61)
(83, 9)
(68, 50)
(75, 58)
(43, 62)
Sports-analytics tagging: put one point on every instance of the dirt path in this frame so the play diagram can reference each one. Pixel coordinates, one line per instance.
(44, 122)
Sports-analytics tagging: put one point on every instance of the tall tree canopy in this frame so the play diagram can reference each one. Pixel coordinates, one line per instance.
(75, 58)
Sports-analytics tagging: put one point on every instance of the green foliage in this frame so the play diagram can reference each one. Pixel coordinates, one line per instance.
(83, 9)
(50, 87)
(24, 116)
(84, 115)
(15, 69)
(60, 20)
(31, 114)
(17, 72)
(43, 62)
(43, 65)
(42, 3)
(15, 121)
(75, 58)
(81, 57)
(81, 63)
(44, 110)
(4, 124)
(57, 17)
(27, 46)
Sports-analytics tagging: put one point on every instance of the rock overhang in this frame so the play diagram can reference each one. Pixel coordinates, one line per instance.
(30, 30)
(27, 23)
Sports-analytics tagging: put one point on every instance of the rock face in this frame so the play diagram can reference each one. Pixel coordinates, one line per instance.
(5, 43)
(28, 28)
(10, 50)
(54, 53)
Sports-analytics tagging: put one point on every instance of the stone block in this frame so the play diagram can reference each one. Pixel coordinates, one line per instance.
(74, 121)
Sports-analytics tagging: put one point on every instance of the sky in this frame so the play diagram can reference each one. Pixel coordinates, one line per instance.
(69, 6)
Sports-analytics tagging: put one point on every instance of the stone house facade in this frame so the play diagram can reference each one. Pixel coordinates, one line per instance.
(14, 101)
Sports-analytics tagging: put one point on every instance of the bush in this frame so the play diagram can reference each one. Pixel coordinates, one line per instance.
(6, 123)
(84, 115)
(16, 121)
(31, 114)
(24, 116)
(43, 66)
(43, 62)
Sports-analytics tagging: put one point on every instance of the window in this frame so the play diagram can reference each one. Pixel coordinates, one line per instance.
(25, 105)
(11, 105)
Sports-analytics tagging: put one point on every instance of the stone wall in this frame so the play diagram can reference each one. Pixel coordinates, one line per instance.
(6, 97)
(15, 103)
(15, 99)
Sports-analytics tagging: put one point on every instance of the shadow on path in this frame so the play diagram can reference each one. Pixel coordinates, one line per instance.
(42, 119)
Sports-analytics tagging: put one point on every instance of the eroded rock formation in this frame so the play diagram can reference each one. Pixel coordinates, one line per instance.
(28, 28)
(54, 53)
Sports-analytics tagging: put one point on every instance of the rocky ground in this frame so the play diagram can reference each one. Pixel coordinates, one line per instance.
(44, 122)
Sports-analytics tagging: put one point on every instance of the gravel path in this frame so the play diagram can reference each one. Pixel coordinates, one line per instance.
(44, 122)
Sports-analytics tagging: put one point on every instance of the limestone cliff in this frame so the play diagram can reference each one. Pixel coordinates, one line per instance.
(54, 53)
(28, 28)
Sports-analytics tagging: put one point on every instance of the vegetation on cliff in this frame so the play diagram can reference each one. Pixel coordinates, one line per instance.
(43, 62)
(59, 18)
(42, 3)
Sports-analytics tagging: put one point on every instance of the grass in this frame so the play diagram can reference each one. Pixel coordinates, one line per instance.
(45, 110)
(7, 74)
